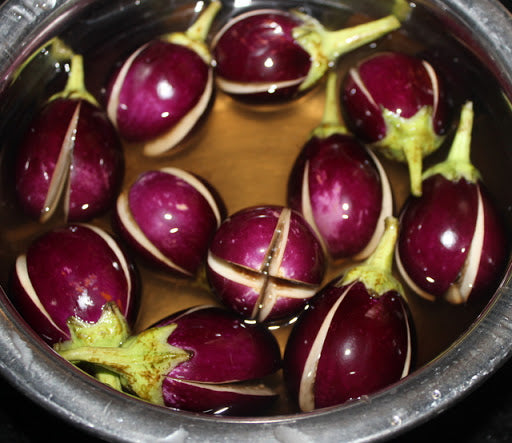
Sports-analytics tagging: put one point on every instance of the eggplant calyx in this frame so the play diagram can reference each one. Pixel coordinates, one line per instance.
(142, 361)
(75, 86)
(458, 164)
(325, 46)
(110, 330)
(409, 140)
(376, 271)
(331, 120)
(195, 36)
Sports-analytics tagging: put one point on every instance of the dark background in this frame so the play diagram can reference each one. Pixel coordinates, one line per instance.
(483, 416)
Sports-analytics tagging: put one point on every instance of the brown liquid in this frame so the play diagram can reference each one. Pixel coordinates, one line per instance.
(246, 154)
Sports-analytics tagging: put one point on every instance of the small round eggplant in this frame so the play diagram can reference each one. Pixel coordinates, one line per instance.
(355, 336)
(452, 243)
(340, 187)
(71, 159)
(269, 55)
(265, 263)
(169, 216)
(162, 90)
(396, 103)
(203, 359)
(70, 274)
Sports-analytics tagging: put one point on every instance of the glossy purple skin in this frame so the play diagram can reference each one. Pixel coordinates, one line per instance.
(97, 164)
(164, 82)
(74, 273)
(395, 81)
(224, 349)
(185, 236)
(365, 349)
(243, 241)
(345, 192)
(436, 231)
(243, 51)
(205, 399)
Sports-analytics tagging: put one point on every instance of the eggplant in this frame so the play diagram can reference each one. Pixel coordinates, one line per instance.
(354, 338)
(453, 242)
(203, 359)
(75, 286)
(169, 216)
(339, 186)
(265, 262)
(71, 158)
(396, 103)
(72, 271)
(164, 87)
(270, 55)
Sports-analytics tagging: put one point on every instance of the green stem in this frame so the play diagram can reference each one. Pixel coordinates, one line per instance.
(326, 46)
(414, 156)
(376, 271)
(331, 120)
(458, 162)
(198, 31)
(195, 36)
(461, 145)
(55, 47)
(142, 362)
(75, 86)
(336, 43)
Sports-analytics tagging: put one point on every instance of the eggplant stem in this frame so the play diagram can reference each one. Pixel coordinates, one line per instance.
(75, 86)
(458, 162)
(194, 38)
(461, 145)
(55, 47)
(198, 31)
(376, 271)
(324, 46)
(414, 157)
(382, 257)
(336, 43)
(331, 120)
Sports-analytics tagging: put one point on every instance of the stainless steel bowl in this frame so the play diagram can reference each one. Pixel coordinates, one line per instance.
(484, 29)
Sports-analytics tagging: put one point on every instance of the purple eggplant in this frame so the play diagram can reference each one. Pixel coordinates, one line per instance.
(269, 55)
(162, 90)
(71, 158)
(203, 359)
(72, 273)
(340, 187)
(396, 102)
(452, 242)
(169, 216)
(355, 337)
(265, 262)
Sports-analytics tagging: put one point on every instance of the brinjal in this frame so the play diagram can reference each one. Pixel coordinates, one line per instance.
(355, 337)
(203, 359)
(270, 55)
(71, 158)
(396, 103)
(452, 243)
(75, 286)
(169, 216)
(265, 262)
(163, 88)
(340, 187)
(72, 271)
